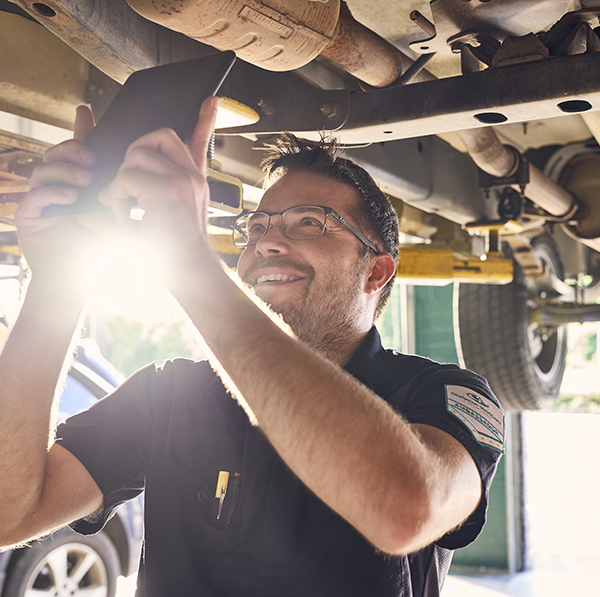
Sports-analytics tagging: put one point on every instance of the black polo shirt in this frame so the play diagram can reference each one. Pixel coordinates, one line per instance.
(172, 430)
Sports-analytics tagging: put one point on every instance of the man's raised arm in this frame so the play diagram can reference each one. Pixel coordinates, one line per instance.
(401, 486)
(42, 488)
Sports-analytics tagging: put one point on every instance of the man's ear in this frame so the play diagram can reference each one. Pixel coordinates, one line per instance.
(381, 269)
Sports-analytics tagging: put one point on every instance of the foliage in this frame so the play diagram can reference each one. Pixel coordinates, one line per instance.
(588, 345)
(131, 345)
(577, 403)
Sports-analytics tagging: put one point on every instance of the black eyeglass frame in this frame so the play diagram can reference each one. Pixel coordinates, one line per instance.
(327, 210)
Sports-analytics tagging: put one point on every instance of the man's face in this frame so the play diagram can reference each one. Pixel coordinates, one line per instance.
(316, 285)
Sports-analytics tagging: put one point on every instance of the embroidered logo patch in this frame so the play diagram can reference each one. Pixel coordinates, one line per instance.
(479, 414)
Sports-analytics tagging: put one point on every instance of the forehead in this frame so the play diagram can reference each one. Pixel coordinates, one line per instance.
(309, 188)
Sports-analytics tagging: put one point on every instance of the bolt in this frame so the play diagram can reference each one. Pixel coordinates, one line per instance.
(331, 110)
(267, 106)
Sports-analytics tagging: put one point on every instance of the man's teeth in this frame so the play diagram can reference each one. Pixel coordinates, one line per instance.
(273, 278)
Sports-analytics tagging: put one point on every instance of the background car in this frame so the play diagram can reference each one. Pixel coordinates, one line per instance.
(67, 563)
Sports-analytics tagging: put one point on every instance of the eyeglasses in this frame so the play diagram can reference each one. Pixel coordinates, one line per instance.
(302, 222)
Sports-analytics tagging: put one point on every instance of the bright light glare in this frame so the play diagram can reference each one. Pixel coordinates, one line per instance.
(125, 282)
(252, 195)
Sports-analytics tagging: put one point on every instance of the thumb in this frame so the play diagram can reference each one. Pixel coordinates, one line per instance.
(200, 138)
(84, 123)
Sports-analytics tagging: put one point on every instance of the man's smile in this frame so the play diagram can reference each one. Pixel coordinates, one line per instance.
(276, 271)
(276, 278)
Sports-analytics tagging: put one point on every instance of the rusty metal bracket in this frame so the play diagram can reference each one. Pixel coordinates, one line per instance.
(566, 38)
(518, 177)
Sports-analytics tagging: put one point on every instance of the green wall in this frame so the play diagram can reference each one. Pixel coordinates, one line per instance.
(434, 338)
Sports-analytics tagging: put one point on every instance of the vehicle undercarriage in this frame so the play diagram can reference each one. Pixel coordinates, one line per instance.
(478, 118)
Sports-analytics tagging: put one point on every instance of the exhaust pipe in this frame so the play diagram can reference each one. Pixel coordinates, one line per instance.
(499, 160)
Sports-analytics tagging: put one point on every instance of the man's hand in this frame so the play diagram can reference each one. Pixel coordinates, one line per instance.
(41, 490)
(168, 181)
(53, 245)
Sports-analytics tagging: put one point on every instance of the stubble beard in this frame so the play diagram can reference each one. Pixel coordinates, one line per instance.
(326, 318)
(325, 315)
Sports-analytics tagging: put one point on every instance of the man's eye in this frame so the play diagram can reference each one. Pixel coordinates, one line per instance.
(255, 228)
(310, 222)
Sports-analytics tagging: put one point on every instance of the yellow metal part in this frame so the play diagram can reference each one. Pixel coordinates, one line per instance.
(425, 266)
(11, 250)
(226, 192)
(223, 243)
(483, 228)
(233, 113)
(13, 186)
(8, 208)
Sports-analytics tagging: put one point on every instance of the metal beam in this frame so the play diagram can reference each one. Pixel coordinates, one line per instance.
(519, 93)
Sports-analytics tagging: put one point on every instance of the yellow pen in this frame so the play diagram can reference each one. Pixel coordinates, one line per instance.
(222, 482)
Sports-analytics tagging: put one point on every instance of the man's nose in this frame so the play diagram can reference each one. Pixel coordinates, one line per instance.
(273, 241)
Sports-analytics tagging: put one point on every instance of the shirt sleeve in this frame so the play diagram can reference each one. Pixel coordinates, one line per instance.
(112, 439)
(462, 404)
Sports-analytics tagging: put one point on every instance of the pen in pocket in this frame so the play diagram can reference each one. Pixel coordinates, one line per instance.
(237, 481)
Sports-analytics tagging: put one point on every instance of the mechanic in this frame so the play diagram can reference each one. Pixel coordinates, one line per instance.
(338, 458)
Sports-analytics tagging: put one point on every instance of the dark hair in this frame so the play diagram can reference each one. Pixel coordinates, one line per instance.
(287, 154)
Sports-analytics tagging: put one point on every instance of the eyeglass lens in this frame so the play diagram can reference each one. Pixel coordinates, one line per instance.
(303, 222)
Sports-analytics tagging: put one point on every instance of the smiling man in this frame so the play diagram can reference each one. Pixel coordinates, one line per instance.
(337, 460)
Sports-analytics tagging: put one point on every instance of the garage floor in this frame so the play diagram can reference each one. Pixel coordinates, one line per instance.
(563, 481)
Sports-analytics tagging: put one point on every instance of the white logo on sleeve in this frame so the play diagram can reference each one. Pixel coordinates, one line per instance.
(479, 414)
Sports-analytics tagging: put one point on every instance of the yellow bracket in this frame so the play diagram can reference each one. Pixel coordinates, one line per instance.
(11, 250)
(483, 228)
(226, 192)
(434, 266)
(223, 243)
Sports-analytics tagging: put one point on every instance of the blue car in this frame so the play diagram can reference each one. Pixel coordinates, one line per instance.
(67, 563)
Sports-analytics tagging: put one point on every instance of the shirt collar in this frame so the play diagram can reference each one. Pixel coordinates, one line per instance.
(368, 363)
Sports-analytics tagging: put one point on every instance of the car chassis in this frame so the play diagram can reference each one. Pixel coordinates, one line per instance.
(473, 204)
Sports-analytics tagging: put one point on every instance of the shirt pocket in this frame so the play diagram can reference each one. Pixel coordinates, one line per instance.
(197, 495)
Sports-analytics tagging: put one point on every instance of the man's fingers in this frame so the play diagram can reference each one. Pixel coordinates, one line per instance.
(40, 197)
(71, 151)
(84, 123)
(147, 188)
(149, 159)
(164, 142)
(60, 173)
(200, 139)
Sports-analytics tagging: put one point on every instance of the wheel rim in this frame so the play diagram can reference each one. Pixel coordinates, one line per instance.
(546, 344)
(69, 570)
(546, 353)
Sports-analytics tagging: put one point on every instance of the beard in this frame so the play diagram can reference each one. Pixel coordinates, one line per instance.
(327, 313)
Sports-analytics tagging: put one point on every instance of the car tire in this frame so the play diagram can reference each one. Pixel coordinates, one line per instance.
(65, 564)
(523, 362)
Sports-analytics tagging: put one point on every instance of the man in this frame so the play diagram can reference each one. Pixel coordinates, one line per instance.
(317, 480)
